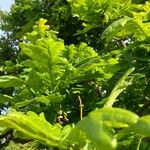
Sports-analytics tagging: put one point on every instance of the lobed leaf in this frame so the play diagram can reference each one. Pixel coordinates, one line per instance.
(32, 126)
(127, 27)
(97, 127)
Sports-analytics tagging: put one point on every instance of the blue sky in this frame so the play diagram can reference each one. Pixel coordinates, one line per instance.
(5, 4)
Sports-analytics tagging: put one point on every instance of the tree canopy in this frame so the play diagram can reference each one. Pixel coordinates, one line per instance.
(75, 75)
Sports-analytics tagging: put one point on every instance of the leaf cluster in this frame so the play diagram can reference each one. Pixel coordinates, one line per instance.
(81, 78)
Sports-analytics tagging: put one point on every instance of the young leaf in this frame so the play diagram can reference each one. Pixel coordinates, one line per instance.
(120, 86)
(95, 11)
(32, 126)
(111, 31)
(127, 27)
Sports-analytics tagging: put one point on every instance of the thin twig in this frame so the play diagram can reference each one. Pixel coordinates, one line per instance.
(81, 107)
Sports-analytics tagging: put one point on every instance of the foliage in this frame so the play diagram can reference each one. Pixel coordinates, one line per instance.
(78, 80)
(97, 128)
(99, 10)
(120, 86)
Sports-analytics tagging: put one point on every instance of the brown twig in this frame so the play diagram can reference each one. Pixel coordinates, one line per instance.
(81, 107)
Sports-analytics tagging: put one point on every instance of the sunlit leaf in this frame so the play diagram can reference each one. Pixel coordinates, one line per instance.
(10, 81)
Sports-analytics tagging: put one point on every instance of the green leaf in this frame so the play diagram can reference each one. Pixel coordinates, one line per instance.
(90, 129)
(47, 59)
(44, 53)
(114, 117)
(87, 61)
(32, 126)
(3, 130)
(39, 30)
(142, 127)
(76, 54)
(111, 31)
(24, 146)
(10, 81)
(23, 95)
(99, 135)
(127, 27)
(94, 12)
(98, 126)
(35, 81)
(5, 98)
(120, 86)
(51, 98)
(23, 103)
